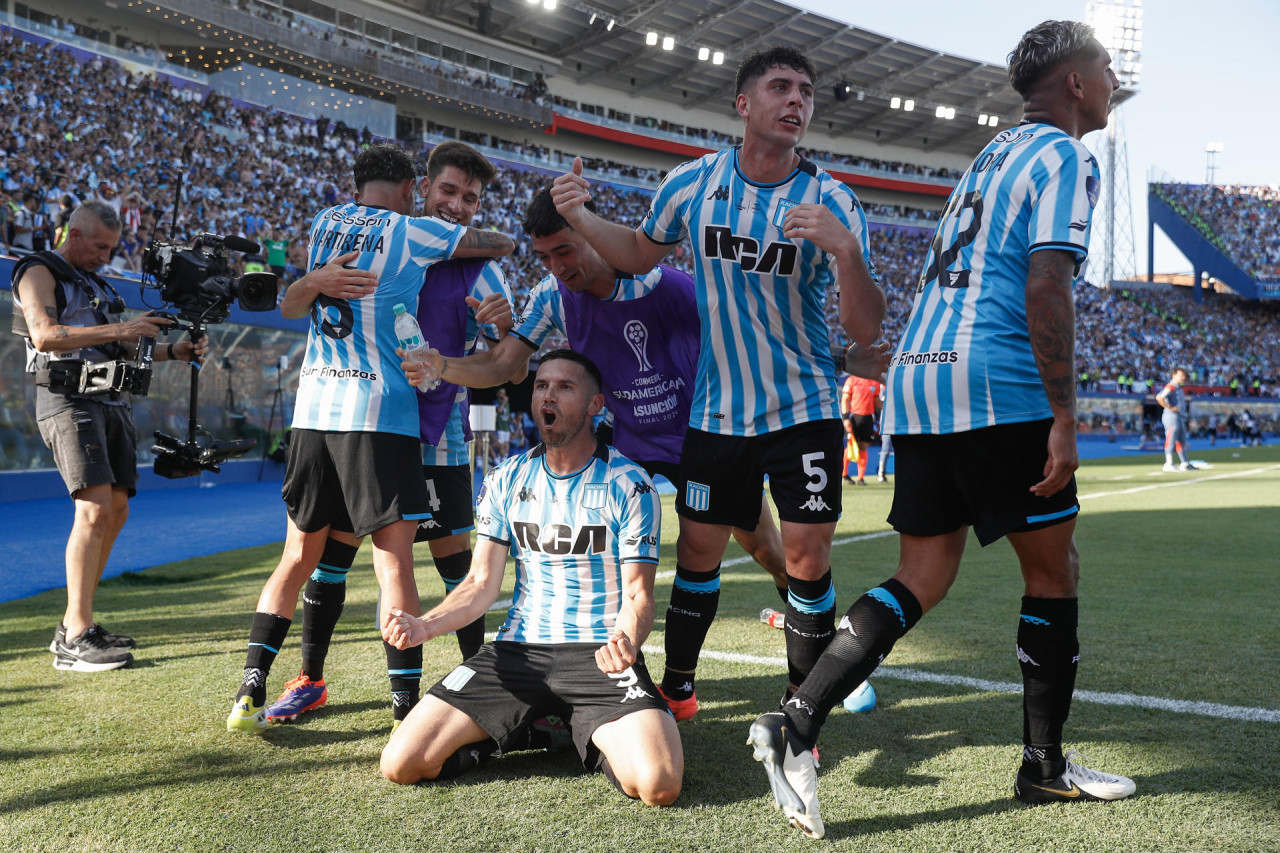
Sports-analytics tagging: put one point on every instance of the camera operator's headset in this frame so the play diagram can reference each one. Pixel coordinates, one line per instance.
(63, 273)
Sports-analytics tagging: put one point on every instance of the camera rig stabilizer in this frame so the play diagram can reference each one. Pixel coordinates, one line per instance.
(198, 281)
(175, 458)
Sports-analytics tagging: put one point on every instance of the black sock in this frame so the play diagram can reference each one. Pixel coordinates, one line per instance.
(322, 601)
(404, 669)
(265, 639)
(810, 623)
(607, 770)
(695, 596)
(865, 637)
(1048, 652)
(468, 757)
(782, 593)
(453, 570)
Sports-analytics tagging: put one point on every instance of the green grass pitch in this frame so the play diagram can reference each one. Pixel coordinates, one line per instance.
(1178, 688)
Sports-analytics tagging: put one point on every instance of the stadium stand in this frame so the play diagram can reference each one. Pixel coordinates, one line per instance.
(254, 169)
(1240, 220)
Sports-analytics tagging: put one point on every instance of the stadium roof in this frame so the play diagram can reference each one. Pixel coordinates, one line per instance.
(874, 68)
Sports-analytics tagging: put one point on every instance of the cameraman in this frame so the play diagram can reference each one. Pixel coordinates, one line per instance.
(62, 308)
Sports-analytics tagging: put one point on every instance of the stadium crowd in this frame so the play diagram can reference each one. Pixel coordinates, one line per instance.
(1240, 220)
(260, 173)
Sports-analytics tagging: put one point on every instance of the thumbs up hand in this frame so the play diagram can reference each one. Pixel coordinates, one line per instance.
(570, 192)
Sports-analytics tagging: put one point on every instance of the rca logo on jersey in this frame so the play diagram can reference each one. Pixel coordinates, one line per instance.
(778, 258)
(560, 538)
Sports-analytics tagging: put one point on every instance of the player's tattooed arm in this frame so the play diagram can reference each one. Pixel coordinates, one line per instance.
(476, 243)
(1051, 325)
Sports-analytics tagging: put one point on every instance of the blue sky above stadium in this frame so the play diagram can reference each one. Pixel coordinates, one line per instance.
(1209, 73)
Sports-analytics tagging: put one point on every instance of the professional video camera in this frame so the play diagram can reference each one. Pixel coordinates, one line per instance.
(198, 281)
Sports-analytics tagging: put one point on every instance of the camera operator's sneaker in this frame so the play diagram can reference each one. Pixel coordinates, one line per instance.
(300, 695)
(1073, 784)
(793, 775)
(1169, 466)
(681, 709)
(1188, 466)
(115, 641)
(247, 717)
(88, 652)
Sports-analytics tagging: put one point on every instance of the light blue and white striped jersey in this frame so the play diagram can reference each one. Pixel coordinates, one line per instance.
(569, 537)
(351, 379)
(765, 362)
(453, 447)
(965, 359)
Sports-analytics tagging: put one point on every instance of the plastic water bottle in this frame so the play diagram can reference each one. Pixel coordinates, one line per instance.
(409, 338)
(772, 618)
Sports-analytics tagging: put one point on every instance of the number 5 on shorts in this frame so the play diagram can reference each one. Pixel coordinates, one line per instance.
(812, 464)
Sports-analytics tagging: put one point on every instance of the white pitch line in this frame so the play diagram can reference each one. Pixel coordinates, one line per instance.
(1189, 482)
(1096, 697)
(738, 561)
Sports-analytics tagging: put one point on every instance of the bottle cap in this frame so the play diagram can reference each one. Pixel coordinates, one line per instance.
(398, 308)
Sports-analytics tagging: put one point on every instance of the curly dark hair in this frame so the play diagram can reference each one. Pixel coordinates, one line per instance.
(774, 56)
(382, 162)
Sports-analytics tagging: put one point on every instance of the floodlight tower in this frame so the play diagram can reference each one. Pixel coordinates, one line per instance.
(1118, 25)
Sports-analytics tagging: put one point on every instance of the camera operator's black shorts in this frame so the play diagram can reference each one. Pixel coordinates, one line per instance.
(505, 683)
(448, 500)
(93, 444)
(981, 478)
(724, 474)
(357, 482)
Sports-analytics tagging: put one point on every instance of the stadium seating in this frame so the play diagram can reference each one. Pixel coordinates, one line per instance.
(253, 169)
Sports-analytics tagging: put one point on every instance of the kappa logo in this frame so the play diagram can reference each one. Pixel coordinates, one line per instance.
(846, 625)
(815, 504)
(428, 524)
(630, 681)
(639, 489)
(526, 494)
(721, 193)
(1026, 658)
(800, 705)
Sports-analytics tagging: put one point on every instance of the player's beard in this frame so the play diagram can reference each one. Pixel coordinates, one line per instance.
(565, 429)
